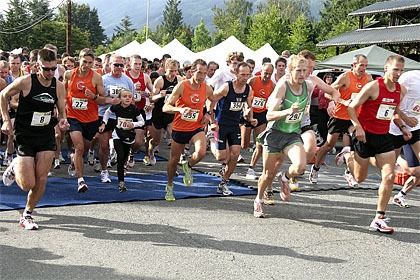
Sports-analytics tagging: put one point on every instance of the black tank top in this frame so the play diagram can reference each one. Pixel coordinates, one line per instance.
(169, 87)
(34, 116)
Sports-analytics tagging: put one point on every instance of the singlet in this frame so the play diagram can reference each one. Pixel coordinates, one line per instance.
(169, 87)
(291, 123)
(260, 92)
(140, 102)
(194, 99)
(230, 107)
(79, 106)
(125, 116)
(34, 116)
(375, 115)
(355, 86)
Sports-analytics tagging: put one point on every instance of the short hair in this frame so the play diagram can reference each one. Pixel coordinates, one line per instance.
(265, 60)
(4, 64)
(14, 56)
(197, 62)
(295, 60)
(281, 59)
(51, 47)
(98, 59)
(124, 90)
(242, 64)
(171, 62)
(166, 56)
(357, 57)
(285, 53)
(69, 58)
(394, 57)
(86, 52)
(135, 56)
(47, 55)
(154, 75)
(213, 63)
(308, 55)
(250, 61)
(239, 56)
(114, 57)
(267, 64)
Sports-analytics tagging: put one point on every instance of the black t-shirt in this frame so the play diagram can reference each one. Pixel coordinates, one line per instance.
(124, 116)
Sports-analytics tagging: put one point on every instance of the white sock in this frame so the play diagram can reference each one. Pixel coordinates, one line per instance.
(80, 180)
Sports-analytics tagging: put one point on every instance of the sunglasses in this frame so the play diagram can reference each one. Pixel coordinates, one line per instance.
(48, 68)
(118, 65)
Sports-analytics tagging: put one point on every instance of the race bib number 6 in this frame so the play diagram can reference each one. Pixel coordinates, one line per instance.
(123, 123)
(385, 112)
(191, 117)
(294, 118)
(41, 118)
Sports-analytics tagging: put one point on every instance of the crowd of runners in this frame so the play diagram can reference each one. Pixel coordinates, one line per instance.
(108, 110)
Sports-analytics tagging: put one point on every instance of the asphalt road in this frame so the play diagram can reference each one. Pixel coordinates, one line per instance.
(321, 234)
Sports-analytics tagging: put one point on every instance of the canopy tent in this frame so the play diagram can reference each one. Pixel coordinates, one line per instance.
(148, 49)
(129, 49)
(376, 59)
(219, 52)
(178, 51)
(265, 51)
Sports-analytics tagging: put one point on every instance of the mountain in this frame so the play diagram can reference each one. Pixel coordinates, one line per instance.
(111, 12)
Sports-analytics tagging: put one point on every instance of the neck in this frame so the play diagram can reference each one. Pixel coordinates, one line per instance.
(134, 73)
(359, 76)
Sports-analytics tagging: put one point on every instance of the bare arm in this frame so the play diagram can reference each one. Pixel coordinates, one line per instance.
(170, 107)
(157, 91)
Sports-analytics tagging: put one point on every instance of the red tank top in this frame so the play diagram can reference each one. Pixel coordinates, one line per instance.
(260, 93)
(194, 99)
(79, 106)
(356, 85)
(375, 115)
(139, 85)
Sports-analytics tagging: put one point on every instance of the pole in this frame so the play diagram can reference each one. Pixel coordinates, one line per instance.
(68, 28)
(147, 19)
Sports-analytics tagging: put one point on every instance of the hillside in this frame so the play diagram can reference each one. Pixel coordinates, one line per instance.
(111, 13)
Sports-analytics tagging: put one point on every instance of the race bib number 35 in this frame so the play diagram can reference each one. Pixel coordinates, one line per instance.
(123, 123)
(192, 116)
(41, 118)
(236, 106)
(385, 112)
(79, 103)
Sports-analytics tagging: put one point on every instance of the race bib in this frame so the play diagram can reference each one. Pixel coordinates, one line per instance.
(123, 123)
(258, 102)
(416, 108)
(294, 118)
(192, 116)
(137, 96)
(79, 103)
(167, 98)
(236, 106)
(41, 118)
(114, 91)
(385, 112)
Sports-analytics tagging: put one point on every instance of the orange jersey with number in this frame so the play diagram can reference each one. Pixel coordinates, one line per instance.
(194, 99)
(356, 85)
(79, 106)
(260, 94)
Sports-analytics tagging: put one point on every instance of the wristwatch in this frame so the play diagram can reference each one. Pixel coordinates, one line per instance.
(209, 112)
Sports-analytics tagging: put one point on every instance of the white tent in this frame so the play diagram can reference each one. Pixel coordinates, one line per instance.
(265, 51)
(150, 50)
(178, 51)
(219, 52)
(129, 49)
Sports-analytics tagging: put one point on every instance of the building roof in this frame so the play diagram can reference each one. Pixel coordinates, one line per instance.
(392, 35)
(387, 6)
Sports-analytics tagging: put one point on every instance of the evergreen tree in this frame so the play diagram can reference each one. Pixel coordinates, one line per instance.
(300, 34)
(172, 20)
(201, 39)
(14, 26)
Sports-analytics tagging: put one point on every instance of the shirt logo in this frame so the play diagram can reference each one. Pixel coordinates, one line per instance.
(45, 98)
(195, 98)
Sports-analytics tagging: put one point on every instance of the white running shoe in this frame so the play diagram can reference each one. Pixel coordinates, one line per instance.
(240, 159)
(57, 164)
(339, 158)
(9, 174)
(381, 226)
(152, 160)
(350, 179)
(399, 200)
(91, 158)
(130, 162)
(223, 189)
(27, 222)
(105, 176)
(313, 176)
(258, 210)
(250, 174)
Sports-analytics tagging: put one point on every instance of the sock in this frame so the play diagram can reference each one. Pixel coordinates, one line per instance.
(80, 180)
(257, 200)
(27, 213)
(403, 193)
(90, 151)
(316, 169)
(250, 167)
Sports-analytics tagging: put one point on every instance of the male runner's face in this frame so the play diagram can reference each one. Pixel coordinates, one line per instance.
(299, 73)
(266, 73)
(86, 63)
(4, 72)
(211, 69)
(47, 69)
(136, 65)
(199, 75)
(15, 64)
(172, 71)
(310, 68)
(69, 65)
(117, 67)
(243, 75)
(393, 70)
(233, 64)
(280, 67)
(360, 67)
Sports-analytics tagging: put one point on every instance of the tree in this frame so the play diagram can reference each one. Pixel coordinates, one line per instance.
(232, 19)
(300, 34)
(125, 27)
(185, 35)
(172, 19)
(201, 39)
(85, 19)
(14, 26)
(38, 9)
(286, 9)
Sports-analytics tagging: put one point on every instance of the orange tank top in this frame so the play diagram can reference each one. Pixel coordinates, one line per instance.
(79, 107)
(260, 93)
(356, 85)
(194, 99)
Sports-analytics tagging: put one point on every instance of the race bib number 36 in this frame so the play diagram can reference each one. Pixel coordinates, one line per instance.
(79, 103)
(123, 123)
(114, 91)
(192, 116)
(137, 96)
(41, 118)
(385, 112)
(294, 118)
(258, 102)
(236, 106)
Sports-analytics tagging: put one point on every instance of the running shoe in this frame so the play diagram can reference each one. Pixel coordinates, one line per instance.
(71, 170)
(250, 174)
(169, 196)
(91, 158)
(399, 200)
(82, 187)
(188, 178)
(269, 198)
(152, 160)
(130, 162)
(105, 176)
(294, 184)
(240, 159)
(223, 189)
(61, 158)
(146, 160)
(57, 164)
(258, 210)
(222, 170)
(381, 226)
(97, 165)
(113, 156)
(108, 164)
(9, 174)
(285, 191)
(7, 160)
(350, 179)
(339, 158)
(313, 176)
(27, 222)
(182, 159)
(121, 187)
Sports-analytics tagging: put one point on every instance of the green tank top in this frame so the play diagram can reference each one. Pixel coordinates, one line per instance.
(291, 123)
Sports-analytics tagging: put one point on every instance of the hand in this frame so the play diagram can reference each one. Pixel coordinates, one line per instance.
(214, 126)
(89, 94)
(63, 124)
(254, 122)
(130, 125)
(206, 119)
(411, 121)
(406, 134)
(101, 128)
(185, 110)
(360, 134)
(346, 102)
(6, 128)
(294, 108)
(114, 101)
(331, 109)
